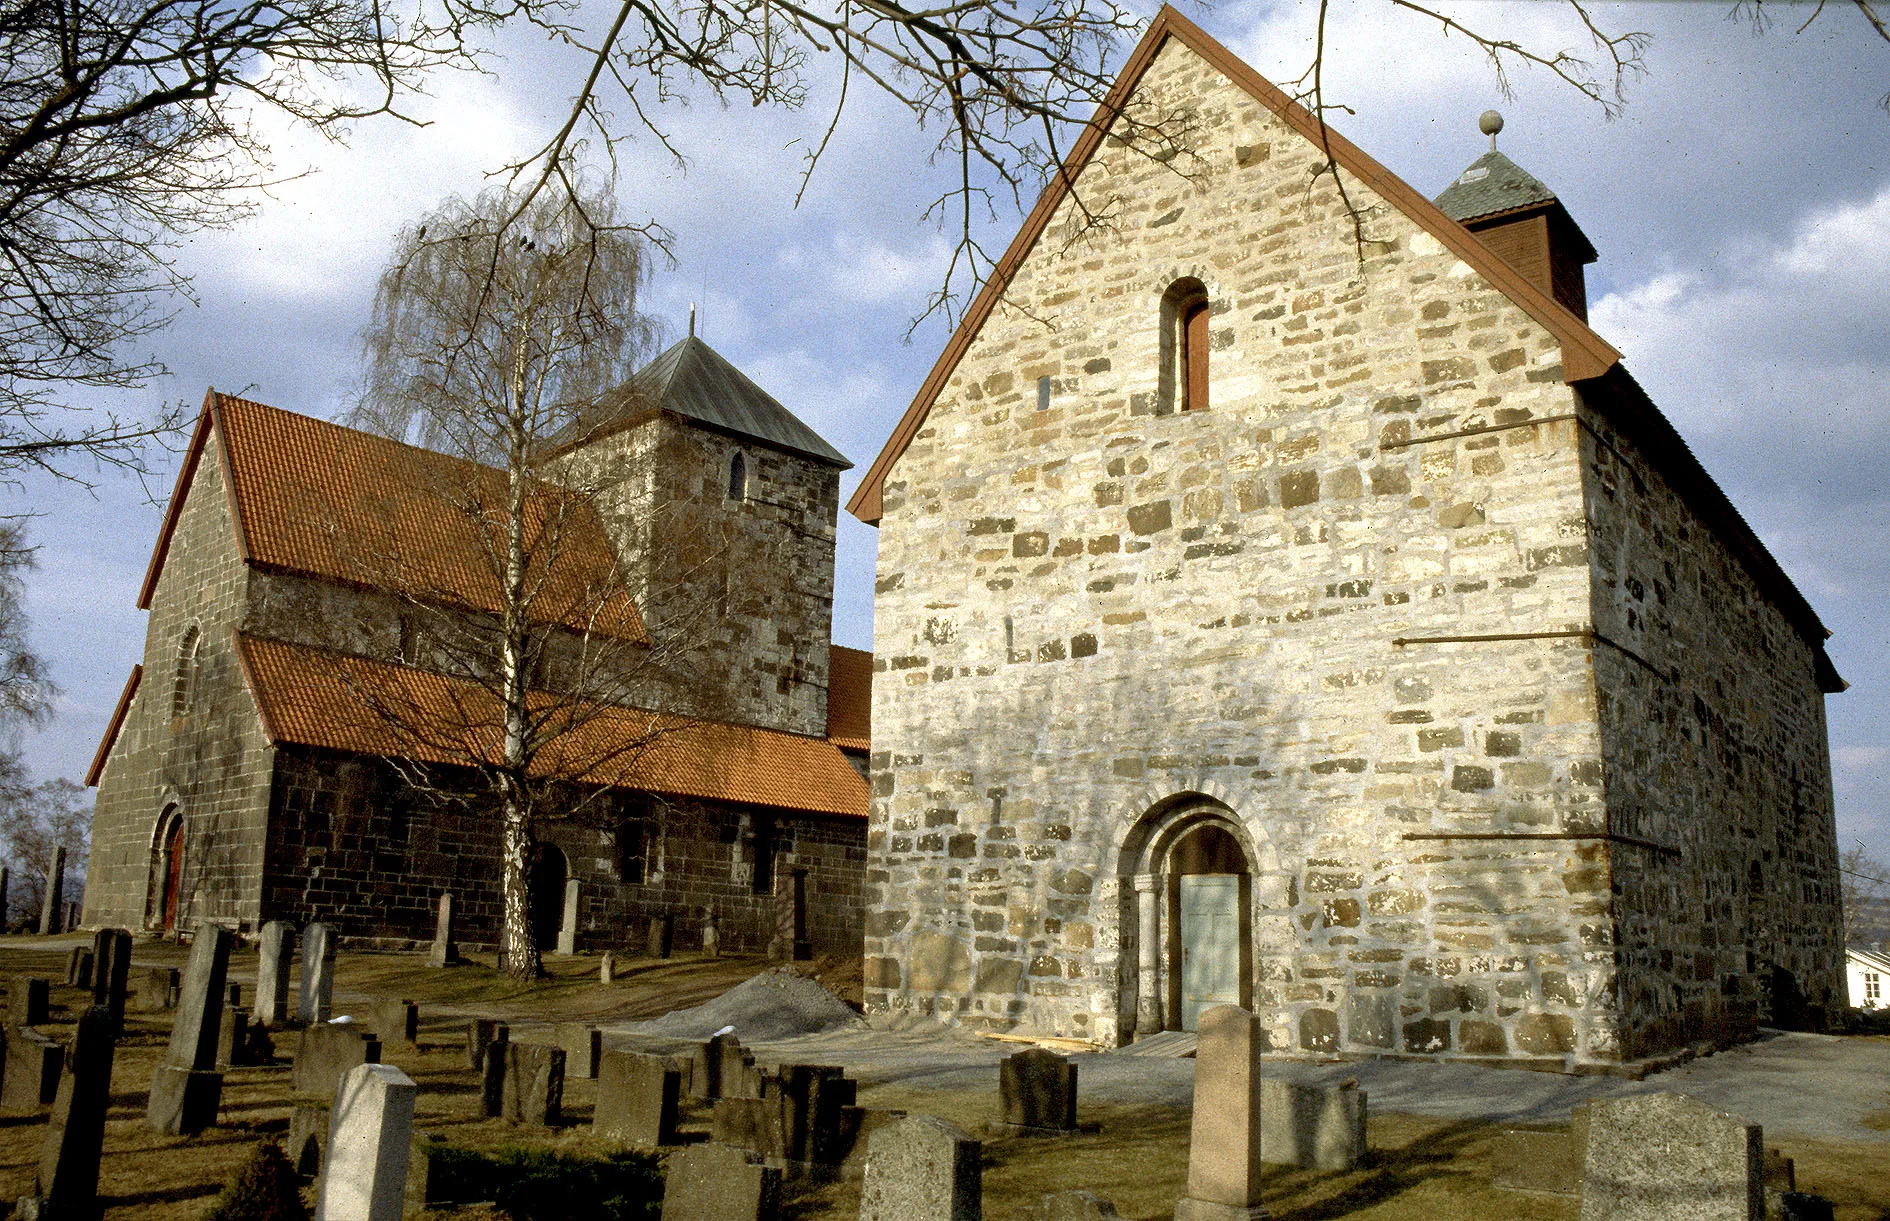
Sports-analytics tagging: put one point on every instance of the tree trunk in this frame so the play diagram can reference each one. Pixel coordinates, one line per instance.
(521, 959)
(517, 943)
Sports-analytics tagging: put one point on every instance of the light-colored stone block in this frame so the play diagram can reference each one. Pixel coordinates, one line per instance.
(1665, 1157)
(370, 1135)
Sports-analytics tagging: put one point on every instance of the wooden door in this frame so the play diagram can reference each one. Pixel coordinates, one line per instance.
(1210, 944)
(173, 873)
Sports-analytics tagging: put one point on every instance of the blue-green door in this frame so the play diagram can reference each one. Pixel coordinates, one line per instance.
(1210, 944)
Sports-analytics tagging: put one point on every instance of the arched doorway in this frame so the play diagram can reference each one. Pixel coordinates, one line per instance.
(167, 869)
(546, 894)
(1188, 867)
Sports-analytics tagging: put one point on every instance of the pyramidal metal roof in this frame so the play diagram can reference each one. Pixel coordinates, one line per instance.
(695, 381)
(1492, 184)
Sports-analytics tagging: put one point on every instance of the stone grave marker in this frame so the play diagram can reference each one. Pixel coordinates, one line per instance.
(637, 1099)
(445, 951)
(308, 1138)
(422, 1186)
(111, 970)
(28, 1002)
(186, 1089)
(275, 956)
(706, 1064)
(327, 1053)
(53, 907)
(1078, 1206)
(155, 986)
(607, 968)
(33, 1065)
(568, 930)
(717, 1183)
(711, 937)
(1310, 1126)
(583, 1048)
(810, 1098)
(533, 1091)
(397, 1022)
(755, 1124)
(1224, 1138)
(922, 1168)
(481, 1033)
(316, 1001)
(857, 1125)
(662, 938)
(1666, 1157)
(67, 1183)
(1037, 1092)
(370, 1136)
(76, 956)
(493, 1074)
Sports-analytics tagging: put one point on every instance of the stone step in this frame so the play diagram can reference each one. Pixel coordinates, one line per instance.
(1167, 1045)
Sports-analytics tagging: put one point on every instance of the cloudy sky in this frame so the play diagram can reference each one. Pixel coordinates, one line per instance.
(1741, 206)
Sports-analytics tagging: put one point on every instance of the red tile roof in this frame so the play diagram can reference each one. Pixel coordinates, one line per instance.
(310, 698)
(850, 698)
(319, 499)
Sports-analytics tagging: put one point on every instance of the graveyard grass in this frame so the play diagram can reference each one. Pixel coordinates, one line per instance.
(1421, 1168)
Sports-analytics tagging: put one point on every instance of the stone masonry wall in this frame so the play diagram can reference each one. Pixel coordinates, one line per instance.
(213, 760)
(1714, 747)
(1088, 611)
(738, 593)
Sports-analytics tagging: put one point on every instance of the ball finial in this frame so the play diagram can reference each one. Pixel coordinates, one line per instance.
(1490, 123)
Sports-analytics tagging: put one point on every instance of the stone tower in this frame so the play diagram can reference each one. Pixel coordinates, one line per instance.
(722, 507)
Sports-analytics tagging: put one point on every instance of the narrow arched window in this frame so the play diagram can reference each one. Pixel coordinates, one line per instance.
(738, 477)
(184, 683)
(1184, 348)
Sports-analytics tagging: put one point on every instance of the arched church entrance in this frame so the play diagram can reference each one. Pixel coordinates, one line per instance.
(546, 894)
(1190, 865)
(167, 869)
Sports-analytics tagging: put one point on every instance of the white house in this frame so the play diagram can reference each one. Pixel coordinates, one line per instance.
(1868, 974)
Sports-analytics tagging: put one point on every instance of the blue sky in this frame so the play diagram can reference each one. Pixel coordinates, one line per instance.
(1741, 207)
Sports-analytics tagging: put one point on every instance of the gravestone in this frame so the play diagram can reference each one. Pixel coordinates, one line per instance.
(1666, 1156)
(28, 1002)
(1037, 1092)
(52, 909)
(711, 937)
(662, 938)
(1078, 1206)
(273, 961)
(534, 1084)
(922, 1169)
(316, 1002)
(397, 1022)
(480, 1034)
(71, 923)
(493, 1073)
(308, 1138)
(370, 1136)
(67, 1184)
(186, 1089)
(857, 1125)
(445, 951)
(327, 1053)
(637, 1099)
(233, 1039)
(567, 931)
(810, 1098)
(1224, 1138)
(31, 1077)
(78, 958)
(111, 970)
(755, 1124)
(1312, 1127)
(607, 968)
(583, 1048)
(709, 1061)
(155, 986)
(716, 1183)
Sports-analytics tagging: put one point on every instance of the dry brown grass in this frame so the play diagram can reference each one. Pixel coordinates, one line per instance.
(1422, 1169)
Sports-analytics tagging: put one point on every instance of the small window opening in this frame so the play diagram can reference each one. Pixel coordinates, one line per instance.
(764, 856)
(738, 477)
(632, 852)
(1184, 348)
(1043, 394)
(184, 686)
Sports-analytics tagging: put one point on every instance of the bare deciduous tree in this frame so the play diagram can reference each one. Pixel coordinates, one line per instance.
(1866, 886)
(57, 813)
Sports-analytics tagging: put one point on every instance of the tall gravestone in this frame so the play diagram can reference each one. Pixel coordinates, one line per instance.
(370, 1134)
(567, 931)
(51, 909)
(445, 951)
(67, 1184)
(316, 1002)
(28, 1001)
(482, 1033)
(922, 1168)
(76, 957)
(1224, 1140)
(662, 938)
(493, 1072)
(533, 1092)
(717, 1183)
(186, 1090)
(275, 956)
(1037, 1092)
(1665, 1157)
(637, 1099)
(111, 970)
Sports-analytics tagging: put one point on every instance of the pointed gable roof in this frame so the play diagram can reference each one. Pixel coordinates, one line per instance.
(696, 382)
(1492, 184)
(1584, 354)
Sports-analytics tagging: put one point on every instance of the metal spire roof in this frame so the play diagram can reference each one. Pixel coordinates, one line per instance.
(1492, 184)
(693, 380)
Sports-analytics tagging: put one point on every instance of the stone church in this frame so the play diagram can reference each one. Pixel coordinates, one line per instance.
(246, 777)
(1321, 619)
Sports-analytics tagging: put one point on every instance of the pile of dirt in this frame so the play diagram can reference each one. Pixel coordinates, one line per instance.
(775, 1005)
